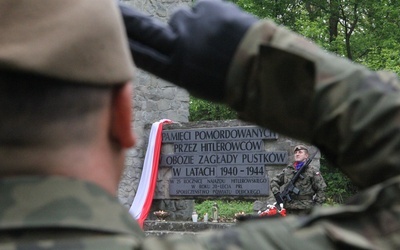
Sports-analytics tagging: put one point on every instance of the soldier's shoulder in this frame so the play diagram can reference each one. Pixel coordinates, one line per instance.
(114, 242)
(287, 169)
(283, 170)
(83, 242)
(314, 170)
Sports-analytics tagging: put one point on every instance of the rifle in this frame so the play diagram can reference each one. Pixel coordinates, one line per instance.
(291, 188)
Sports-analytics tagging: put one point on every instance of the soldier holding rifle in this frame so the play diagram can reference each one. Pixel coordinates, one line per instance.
(310, 184)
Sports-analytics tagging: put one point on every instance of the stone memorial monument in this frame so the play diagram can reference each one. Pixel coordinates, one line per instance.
(153, 100)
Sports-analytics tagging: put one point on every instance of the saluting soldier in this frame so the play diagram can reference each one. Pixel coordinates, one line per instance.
(65, 111)
(280, 80)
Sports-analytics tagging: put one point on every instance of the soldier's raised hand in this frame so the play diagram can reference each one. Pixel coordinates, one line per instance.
(194, 50)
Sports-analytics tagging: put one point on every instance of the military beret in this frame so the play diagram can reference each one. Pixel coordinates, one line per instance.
(75, 40)
(300, 147)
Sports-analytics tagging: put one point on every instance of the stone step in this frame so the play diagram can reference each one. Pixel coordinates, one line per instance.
(160, 228)
(164, 233)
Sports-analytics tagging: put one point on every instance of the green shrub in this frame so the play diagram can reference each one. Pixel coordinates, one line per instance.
(339, 187)
(202, 110)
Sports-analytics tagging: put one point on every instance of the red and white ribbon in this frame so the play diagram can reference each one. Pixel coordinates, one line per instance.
(144, 195)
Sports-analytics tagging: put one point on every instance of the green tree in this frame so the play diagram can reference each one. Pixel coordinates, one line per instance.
(365, 31)
(339, 187)
(201, 110)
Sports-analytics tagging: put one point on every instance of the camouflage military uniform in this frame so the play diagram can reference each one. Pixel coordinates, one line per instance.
(282, 81)
(74, 215)
(312, 184)
(79, 215)
(278, 80)
(62, 213)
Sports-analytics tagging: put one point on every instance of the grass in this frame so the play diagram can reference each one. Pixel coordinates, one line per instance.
(226, 209)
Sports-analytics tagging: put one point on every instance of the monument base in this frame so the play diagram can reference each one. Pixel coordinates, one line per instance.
(160, 228)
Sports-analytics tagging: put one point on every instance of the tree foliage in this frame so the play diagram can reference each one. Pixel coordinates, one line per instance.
(364, 31)
(201, 110)
(339, 187)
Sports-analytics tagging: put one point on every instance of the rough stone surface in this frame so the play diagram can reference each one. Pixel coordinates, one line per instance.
(153, 100)
(281, 144)
(179, 210)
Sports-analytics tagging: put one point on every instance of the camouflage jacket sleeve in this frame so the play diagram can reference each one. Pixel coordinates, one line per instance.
(257, 234)
(319, 186)
(282, 81)
(277, 182)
